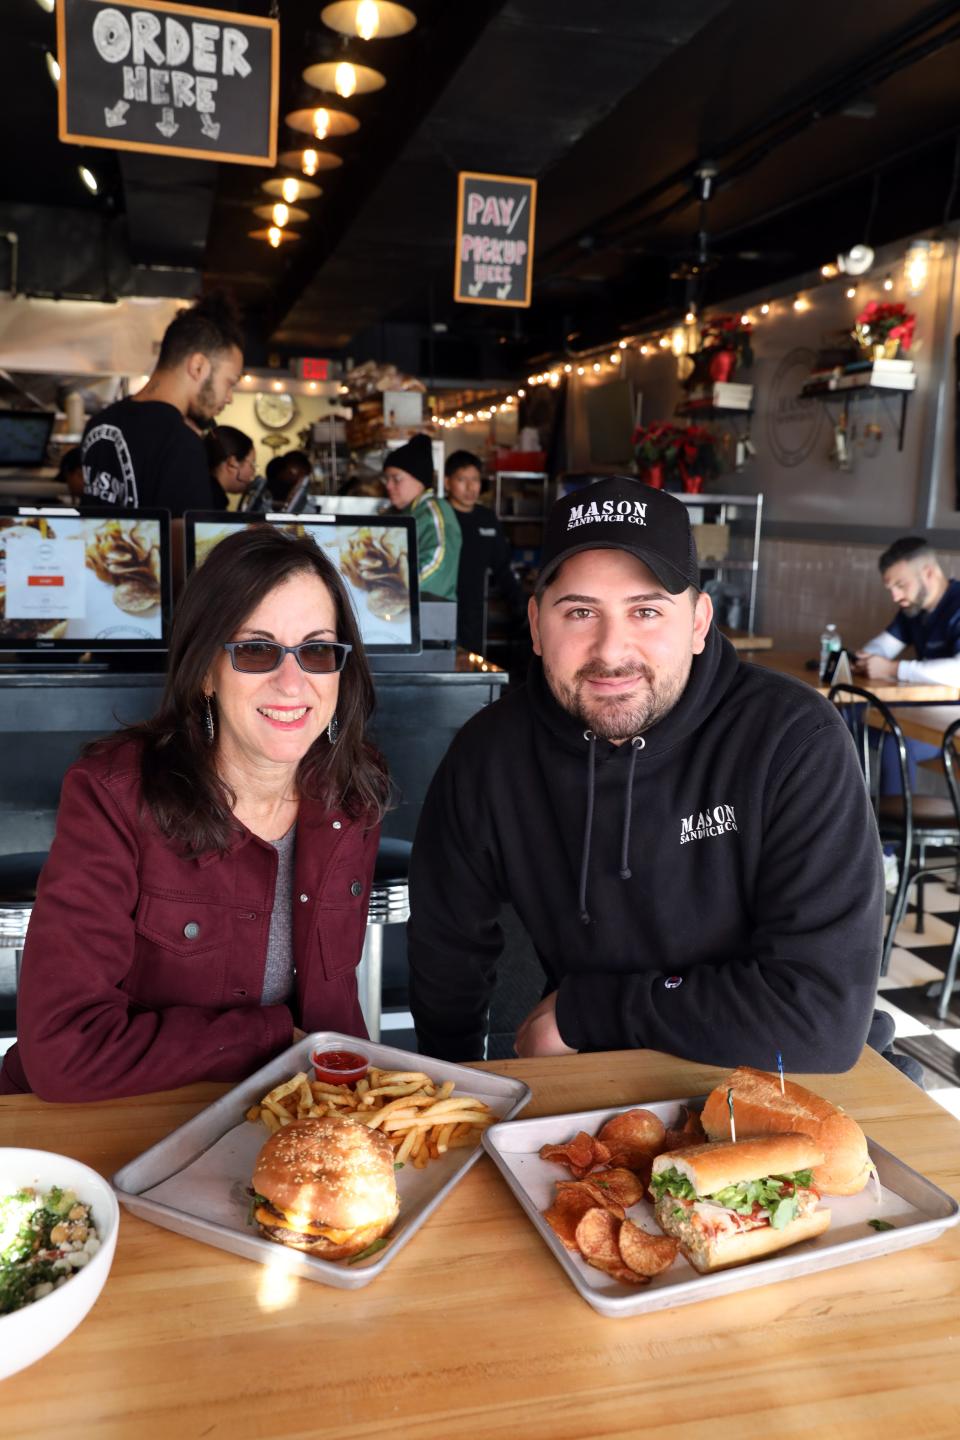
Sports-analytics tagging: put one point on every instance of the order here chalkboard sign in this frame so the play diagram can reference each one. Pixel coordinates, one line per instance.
(172, 79)
(495, 226)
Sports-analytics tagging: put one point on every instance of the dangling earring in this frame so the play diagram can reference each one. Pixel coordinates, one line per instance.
(209, 729)
(333, 728)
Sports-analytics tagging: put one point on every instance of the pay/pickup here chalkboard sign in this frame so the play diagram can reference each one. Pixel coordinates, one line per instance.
(173, 79)
(495, 224)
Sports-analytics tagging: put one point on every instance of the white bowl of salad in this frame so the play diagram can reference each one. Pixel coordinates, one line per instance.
(58, 1231)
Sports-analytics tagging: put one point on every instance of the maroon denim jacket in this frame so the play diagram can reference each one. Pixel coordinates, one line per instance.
(143, 970)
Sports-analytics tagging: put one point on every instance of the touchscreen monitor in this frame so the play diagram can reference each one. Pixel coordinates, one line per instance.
(375, 555)
(24, 436)
(96, 581)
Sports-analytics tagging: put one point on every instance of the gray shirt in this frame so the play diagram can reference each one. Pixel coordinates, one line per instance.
(278, 976)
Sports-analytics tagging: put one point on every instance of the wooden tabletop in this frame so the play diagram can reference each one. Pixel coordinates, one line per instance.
(793, 662)
(474, 1331)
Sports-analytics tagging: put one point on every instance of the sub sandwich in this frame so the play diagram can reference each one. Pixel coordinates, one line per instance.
(762, 1108)
(735, 1202)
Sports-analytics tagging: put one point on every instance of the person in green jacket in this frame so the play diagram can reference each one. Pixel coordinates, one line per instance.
(408, 476)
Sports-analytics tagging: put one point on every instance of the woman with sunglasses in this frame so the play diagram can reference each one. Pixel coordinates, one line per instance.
(206, 892)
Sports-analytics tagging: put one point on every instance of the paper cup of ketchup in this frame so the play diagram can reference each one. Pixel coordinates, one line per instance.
(339, 1067)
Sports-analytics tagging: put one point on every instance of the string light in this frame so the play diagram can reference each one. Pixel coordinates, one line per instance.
(690, 317)
(851, 292)
(579, 369)
(278, 386)
(615, 358)
(664, 342)
(89, 179)
(916, 266)
(644, 349)
(623, 344)
(888, 282)
(829, 271)
(801, 304)
(567, 369)
(764, 309)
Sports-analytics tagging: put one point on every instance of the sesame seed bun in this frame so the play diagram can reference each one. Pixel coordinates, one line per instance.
(330, 1175)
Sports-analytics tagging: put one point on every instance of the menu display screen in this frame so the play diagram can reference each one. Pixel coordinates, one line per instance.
(96, 581)
(376, 557)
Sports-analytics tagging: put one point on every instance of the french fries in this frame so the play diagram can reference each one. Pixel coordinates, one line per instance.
(422, 1120)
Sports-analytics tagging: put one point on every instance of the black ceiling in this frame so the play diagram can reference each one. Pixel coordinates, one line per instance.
(612, 106)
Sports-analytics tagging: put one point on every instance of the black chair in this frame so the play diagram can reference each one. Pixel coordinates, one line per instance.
(906, 821)
(951, 766)
(18, 889)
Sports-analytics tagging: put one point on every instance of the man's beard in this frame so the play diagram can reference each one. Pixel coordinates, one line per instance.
(917, 603)
(618, 718)
(203, 407)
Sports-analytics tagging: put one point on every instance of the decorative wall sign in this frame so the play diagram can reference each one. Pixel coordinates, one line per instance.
(794, 421)
(172, 79)
(495, 229)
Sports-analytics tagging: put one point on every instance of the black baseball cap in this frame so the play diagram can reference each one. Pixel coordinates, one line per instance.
(617, 512)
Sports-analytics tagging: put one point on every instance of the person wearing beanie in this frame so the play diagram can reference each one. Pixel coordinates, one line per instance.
(686, 838)
(408, 476)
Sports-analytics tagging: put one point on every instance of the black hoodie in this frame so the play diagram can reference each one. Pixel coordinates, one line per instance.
(729, 903)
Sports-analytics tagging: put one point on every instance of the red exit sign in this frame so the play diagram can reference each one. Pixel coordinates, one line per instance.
(308, 367)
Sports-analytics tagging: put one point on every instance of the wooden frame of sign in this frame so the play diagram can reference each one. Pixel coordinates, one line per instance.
(194, 13)
(462, 287)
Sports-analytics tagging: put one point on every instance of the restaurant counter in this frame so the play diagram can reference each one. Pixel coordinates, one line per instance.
(46, 718)
(474, 1329)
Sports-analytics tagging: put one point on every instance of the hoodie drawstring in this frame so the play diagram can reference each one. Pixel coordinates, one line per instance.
(589, 736)
(636, 745)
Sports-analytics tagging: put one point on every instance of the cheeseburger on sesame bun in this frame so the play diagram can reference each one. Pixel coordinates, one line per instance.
(325, 1186)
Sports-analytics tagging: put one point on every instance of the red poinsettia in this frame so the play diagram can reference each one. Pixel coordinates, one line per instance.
(889, 320)
(680, 453)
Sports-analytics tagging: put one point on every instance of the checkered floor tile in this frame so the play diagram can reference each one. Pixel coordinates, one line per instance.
(910, 992)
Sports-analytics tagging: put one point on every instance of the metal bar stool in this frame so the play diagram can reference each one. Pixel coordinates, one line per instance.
(18, 888)
(389, 905)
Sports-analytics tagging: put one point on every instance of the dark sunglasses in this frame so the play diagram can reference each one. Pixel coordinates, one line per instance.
(259, 657)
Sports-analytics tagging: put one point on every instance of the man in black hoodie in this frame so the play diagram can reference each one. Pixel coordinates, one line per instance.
(686, 838)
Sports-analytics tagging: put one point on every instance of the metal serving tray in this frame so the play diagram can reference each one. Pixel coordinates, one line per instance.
(917, 1209)
(195, 1180)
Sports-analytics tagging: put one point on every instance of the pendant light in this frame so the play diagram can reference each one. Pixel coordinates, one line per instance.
(291, 189)
(310, 161)
(322, 123)
(342, 77)
(281, 214)
(274, 235)
(369, 19)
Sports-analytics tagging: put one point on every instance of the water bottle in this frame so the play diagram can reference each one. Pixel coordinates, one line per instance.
(830, 646)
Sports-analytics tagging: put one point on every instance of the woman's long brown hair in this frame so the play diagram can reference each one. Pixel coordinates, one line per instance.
(187, 798)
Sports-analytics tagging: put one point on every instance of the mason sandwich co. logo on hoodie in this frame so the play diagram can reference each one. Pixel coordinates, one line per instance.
(633, 512)
(719, 820)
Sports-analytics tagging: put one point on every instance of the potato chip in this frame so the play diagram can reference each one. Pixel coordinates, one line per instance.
(646, 1254)
(596, 1236)
(580, 1155)
(621, 1186)
(633, 1138)
(566, 1212)
(597, 1195)
(688, 1131)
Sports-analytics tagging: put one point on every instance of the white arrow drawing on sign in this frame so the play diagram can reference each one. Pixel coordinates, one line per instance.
(210, 127)
(475, 288)
(168, 126)
(115, 116)
(503, 291)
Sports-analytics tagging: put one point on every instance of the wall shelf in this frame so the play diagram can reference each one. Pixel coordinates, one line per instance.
(822, 390)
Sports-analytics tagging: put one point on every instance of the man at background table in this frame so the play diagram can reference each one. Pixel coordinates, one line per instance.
(146, 450)
(928, 621)
(686, 838)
